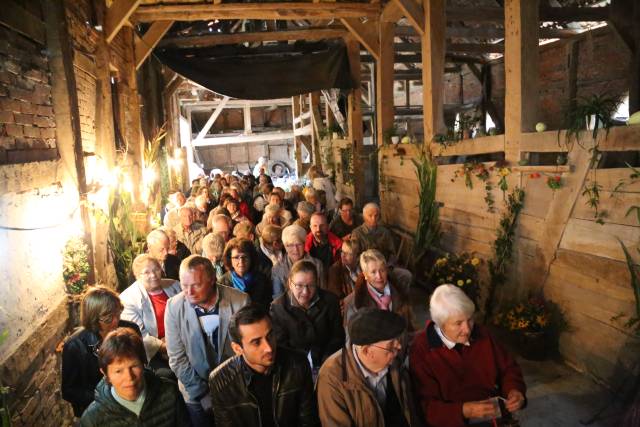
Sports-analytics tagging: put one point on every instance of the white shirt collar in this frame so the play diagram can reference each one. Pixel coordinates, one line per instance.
(447, 342)
(370, 377)
(386, 291)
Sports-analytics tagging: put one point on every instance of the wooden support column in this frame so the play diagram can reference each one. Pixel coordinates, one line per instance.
(384, 81)
(634, 72)
(65, 98)
(433, 51)
(297, 144)
(354, 120)
(521, 72)
(316, 122)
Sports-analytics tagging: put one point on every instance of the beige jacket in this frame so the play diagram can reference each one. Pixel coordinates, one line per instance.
(345, 399)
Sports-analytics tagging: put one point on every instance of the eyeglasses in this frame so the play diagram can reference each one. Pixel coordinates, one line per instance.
(301, 288)
(394, 347)
(242, 258)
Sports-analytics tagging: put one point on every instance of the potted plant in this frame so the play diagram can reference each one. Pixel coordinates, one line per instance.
(466, 123)
(591, 113)
(534, 324)
(390, 135)
(75, 273)
(460, 270)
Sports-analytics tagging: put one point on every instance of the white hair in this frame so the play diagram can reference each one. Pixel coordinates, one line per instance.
(371, 255)
(370, 206)
(448, 300)
(156, 236)
(293, 233)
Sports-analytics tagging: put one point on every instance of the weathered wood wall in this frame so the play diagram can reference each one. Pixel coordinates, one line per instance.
(559, 246)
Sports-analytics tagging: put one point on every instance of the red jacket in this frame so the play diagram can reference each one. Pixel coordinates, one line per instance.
(444, 379)
(334, 241)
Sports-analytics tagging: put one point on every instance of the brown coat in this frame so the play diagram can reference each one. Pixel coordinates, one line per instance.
(339, 280)
(360, 298)
(345, 399)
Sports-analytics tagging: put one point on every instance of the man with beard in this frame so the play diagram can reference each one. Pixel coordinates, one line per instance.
(262, 385)
(321, 243)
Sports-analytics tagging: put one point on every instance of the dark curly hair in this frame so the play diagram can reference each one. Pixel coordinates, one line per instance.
(241, 245)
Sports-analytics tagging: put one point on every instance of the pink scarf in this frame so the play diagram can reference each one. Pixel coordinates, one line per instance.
(383, 301)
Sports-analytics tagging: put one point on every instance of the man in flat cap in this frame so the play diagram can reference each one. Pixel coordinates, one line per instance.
(365, 383)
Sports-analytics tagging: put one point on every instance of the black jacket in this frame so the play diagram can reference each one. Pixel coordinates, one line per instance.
(294, 401)
(318, 329)
(80, 371)
(163, 406)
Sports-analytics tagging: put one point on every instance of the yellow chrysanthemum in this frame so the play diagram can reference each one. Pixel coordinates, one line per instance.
(460, 282)
(468, 281)
(475, 261)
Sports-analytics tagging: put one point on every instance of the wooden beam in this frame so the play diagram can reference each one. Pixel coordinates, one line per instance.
(285, 11)
(316, 121)
(521, 72)
(385, 81)
(117, 15)
(414, 14)
(297, 144)
(254, 37)
(392, 13)
(365, 33)
(475, 47)
(243, 139)
(144, 46)
(17, 18)
(354, 119)
(433, 55)
(67, 117)
(205, 129)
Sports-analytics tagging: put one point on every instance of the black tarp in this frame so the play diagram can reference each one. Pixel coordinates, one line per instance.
(246, 75)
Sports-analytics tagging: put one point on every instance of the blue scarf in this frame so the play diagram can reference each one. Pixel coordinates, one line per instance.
(241, 283)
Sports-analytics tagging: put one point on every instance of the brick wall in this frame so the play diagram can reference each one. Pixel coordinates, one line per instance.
(603, 66)
(27, 127)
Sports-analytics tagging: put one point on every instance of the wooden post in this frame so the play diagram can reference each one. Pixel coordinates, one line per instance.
(297, 144)
(355, 120)
(521, 72)
(433, 51)
(634, 72)
(384, 81)
(65, 98)
(317, 128)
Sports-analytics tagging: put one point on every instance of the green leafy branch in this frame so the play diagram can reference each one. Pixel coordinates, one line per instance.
(428, 228)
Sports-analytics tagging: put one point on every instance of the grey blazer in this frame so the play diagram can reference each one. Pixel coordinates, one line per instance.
(139, 310)
(185, 340)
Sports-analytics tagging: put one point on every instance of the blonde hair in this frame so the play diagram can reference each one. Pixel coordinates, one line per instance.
(293, 232)
(213, 244)
(371, 255)
(140, 261)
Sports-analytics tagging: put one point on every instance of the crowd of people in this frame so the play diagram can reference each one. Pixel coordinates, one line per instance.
(253, 306)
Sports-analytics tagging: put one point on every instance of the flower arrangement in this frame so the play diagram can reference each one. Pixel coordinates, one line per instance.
(554, 182)
(532, 316)
(482, 173)
(460, 270)
(75, 265)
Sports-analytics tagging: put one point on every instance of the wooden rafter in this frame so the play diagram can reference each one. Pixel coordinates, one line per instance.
(486, 32)
(205, 129)
(253, 37)
(413, 12)
(19, 19)
(145, 44)
(117, 15)
(288, 11)
(365, 33)
(455, 47)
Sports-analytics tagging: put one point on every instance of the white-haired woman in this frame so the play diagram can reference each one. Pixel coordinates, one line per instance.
(375, 289)
(457, 367)
(293, 238)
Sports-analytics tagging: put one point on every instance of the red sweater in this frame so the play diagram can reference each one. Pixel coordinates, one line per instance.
(444, 379)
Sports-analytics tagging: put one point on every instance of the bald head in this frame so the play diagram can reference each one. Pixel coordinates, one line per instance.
(371, 215)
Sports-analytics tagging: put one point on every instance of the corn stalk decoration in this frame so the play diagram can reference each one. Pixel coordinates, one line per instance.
(153, 150)
(428, 229)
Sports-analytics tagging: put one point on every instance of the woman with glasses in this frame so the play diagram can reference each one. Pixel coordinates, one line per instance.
(144, 304)
(293, 239)
(99, 314)
(307, 318)
(243, 272)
